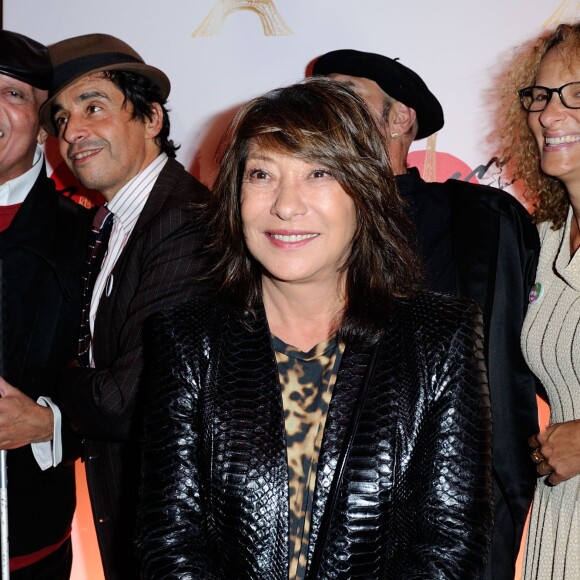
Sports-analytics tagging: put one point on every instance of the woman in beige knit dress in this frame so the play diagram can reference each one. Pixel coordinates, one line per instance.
(541, 141)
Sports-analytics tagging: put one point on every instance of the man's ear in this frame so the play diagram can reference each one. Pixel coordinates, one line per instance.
(401, 119)
(154, 122)
(42, 136)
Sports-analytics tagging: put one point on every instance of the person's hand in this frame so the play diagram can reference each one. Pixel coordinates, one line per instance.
(22, 420)
(556, 451)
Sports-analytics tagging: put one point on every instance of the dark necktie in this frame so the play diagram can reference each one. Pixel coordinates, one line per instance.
(98, 242)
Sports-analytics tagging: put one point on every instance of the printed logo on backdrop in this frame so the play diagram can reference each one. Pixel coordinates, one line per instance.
(567, 11)
(68, 185)
(438, 166)
(272, 22)
(65, 181)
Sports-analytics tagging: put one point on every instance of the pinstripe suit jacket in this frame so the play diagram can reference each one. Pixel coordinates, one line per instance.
(157, 268)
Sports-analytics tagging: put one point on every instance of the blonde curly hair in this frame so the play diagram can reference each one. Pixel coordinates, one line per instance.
(517, 147)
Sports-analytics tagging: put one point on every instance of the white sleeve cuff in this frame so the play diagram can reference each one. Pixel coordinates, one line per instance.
(49, 453)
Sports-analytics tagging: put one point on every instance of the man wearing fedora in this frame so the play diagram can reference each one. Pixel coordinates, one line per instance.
(42, 249)
(107, 109)
(478, 242)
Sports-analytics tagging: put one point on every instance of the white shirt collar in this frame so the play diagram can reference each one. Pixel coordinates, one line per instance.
(16, 190)
(128, 202)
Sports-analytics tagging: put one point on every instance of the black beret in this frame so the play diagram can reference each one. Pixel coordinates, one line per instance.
(398, 81)
(24, 59)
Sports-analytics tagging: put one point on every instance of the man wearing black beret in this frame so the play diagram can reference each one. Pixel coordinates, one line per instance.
(477, 242)
(42, 248)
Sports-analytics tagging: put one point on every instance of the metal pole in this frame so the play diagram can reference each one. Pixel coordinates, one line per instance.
(4, 559)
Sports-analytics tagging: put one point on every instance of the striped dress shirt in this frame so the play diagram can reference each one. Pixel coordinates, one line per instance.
(126, 205)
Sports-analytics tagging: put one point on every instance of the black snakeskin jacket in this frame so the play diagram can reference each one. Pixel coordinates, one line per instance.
(404, 476)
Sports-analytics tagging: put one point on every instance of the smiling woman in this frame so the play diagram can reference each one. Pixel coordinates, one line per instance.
(544, 149)
(299, 225)
(321, 416)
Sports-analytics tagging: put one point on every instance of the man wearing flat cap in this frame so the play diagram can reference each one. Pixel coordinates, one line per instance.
(42, 249)
(107, 109)
(478, 242)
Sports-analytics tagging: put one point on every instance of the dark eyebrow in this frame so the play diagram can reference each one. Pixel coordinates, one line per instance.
(92, 95)
(86, 96)
(54, 109)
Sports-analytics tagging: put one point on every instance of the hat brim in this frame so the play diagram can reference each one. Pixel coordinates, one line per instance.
(151, 73)
(395, 79)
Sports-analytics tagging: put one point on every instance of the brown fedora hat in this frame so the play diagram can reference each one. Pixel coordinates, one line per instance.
(90, 53)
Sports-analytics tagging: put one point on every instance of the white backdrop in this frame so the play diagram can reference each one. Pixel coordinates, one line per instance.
(219, 53)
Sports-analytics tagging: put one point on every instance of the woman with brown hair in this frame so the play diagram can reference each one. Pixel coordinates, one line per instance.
(541, 142)
(321, 416)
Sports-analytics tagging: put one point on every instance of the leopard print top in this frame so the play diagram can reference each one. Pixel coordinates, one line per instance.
(307, 380)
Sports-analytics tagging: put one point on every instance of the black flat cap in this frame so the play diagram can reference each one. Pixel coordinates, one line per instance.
(398, 81)
(25, 59)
